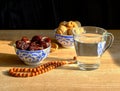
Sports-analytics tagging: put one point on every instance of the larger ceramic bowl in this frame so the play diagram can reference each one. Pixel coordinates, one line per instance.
(65, 40)
(32, 57)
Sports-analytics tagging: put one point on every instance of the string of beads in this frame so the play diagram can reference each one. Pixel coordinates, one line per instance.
(30, 72)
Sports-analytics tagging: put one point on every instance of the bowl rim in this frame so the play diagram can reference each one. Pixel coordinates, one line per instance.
(63, 35)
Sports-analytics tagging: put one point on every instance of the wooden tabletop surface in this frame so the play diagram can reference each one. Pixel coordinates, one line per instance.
(65, 78)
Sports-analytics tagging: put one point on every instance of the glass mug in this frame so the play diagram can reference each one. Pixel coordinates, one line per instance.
(90, 45)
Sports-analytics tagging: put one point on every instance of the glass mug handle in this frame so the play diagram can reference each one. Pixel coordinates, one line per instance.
(111, 39)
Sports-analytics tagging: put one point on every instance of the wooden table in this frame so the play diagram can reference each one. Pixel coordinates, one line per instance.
(65, 78)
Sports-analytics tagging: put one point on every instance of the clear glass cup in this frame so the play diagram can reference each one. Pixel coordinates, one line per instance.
(90, 44)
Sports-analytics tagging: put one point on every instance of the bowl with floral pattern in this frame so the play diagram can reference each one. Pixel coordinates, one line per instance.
(33, 51)
(65, 40)
(32, 57)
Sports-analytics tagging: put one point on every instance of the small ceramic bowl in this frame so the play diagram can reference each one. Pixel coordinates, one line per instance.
(32, 57)
(65, 40)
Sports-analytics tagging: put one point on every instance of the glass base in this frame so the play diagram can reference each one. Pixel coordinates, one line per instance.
(88, 67)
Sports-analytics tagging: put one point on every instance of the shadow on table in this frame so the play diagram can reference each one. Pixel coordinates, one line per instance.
(115, 56)
(114, 51)
(10, 60)
(65, 67)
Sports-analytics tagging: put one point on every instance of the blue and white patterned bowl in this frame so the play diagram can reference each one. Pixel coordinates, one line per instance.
(32, 57)
(65, 40)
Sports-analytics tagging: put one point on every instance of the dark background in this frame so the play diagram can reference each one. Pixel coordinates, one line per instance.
(47, 14)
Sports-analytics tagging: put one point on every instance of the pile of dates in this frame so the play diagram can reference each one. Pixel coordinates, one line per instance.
(37, 42)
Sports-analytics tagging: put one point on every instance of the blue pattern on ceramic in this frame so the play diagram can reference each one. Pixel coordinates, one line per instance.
(33, 57)
(101, 48)
(65, 40)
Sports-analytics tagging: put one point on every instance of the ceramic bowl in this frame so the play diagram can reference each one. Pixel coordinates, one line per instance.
(65, 40)
(32, 57)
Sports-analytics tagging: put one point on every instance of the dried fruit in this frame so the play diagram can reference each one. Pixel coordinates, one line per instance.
(36, 43)
(54, 47)
(20, 44)
(25, 39)
(36, 38)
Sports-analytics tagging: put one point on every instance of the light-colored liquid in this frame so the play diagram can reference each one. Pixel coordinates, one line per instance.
(89, 48)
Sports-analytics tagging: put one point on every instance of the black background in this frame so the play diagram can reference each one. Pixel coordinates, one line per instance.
(47, 14)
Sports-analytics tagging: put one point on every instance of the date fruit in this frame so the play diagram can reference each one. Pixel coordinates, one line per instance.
(37, 42)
